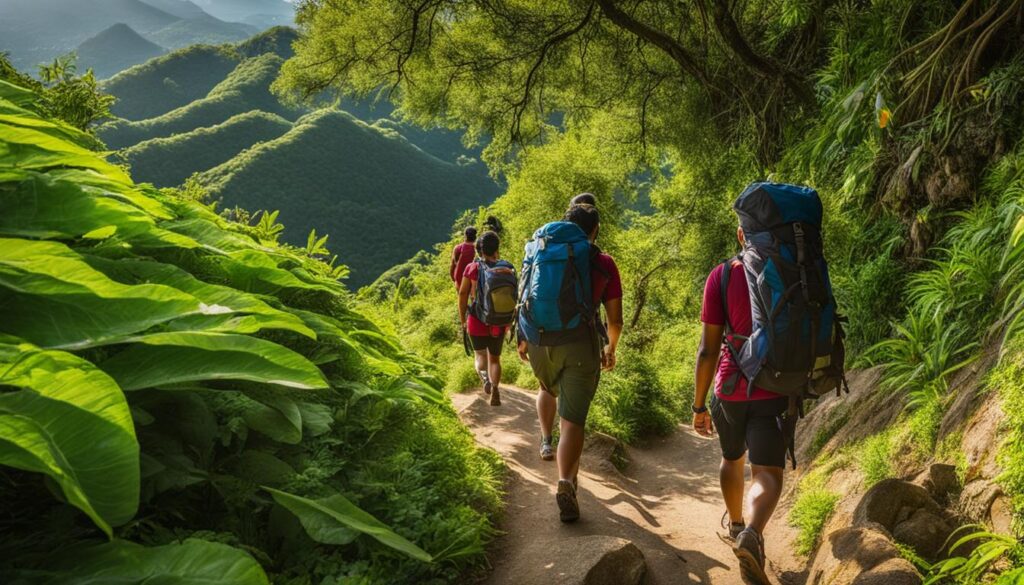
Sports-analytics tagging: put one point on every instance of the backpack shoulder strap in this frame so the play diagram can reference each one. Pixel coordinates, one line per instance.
(724, 291)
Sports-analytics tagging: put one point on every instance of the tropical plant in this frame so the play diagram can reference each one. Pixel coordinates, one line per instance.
(171, 373)
(985, 549)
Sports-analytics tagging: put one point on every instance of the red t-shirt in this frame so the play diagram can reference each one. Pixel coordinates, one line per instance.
(713, 313)
(605, 282)
(474, 326)
(463, 255)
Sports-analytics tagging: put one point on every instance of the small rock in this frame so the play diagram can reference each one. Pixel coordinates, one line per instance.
(940, 480)
(606, 449)
(582, 560)
(977, 498)
(925, 532)
(847, 553)
(885, 501)
(896, 571)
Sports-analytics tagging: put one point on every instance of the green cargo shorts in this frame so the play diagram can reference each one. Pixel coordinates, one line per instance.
(570, 373)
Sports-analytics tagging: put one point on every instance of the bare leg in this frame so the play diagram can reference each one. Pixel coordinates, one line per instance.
(731, 477)
(547, 406)
(765, 491)
(570, 447)
(494, 369)
(480, 360)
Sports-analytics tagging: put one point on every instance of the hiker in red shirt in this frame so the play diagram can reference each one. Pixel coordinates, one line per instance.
(462, 256)
(483, 319)
(744, 422)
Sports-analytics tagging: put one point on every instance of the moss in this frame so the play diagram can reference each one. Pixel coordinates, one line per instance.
(1008, 380)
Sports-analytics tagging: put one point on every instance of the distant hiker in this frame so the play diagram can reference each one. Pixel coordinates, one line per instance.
(780, 235)
(491, 283)
(565, 280)
(462, 256)
(493, 224)
(583, 199)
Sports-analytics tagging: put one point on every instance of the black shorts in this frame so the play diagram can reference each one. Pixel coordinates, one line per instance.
(752, 425)
(491, 344)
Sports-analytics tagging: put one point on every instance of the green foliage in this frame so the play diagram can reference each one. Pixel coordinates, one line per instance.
(160, 364)
(61, 93)
(631, 401)
(1008, 380)
(813, 507)
(983, 549)
(874, 457)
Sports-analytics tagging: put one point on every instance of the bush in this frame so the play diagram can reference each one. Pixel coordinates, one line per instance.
(874, 457)
(813, 507)
(632, 402)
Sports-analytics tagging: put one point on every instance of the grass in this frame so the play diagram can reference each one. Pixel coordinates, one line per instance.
(1008, 379)
(814, 505)
(874, 457)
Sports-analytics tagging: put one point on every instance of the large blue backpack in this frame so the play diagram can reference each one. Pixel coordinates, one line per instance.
(496, 293)
(796, 345)
(555, 295)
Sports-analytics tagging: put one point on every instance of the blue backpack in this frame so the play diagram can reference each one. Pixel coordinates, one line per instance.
(796, 346)
(496, 295)
(555, 295)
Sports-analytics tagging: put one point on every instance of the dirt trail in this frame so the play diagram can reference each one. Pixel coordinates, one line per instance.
(666, 502)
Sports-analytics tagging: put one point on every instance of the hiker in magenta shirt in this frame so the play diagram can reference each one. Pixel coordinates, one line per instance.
(748, 426)
(485, 339)
(462, 256)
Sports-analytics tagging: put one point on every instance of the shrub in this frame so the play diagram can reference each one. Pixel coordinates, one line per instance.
(813, 507)
(874, 457)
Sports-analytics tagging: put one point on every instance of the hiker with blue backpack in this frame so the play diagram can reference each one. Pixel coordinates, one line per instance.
(771, 339)
(491, 284)
(565, 280)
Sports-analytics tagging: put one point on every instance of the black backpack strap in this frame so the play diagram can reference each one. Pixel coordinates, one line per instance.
(729, 386)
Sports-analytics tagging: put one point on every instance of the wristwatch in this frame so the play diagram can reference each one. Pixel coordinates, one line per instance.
(699, 409)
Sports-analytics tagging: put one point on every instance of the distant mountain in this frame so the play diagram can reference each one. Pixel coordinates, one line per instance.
(183, 76)
(115, 49)
(203, 29)
(183, 9)
(262, 13)
(35, 31)
(340, 176)
(168, 161)
(246, 88)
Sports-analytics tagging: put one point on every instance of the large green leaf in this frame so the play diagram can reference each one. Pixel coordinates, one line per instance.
(262, 315)
(27, 148)
(259, 272)
(163, 359)
(192, 562)
(38, 206)
(330, 520)
(70, 421)
(93, 182)
(51, 297)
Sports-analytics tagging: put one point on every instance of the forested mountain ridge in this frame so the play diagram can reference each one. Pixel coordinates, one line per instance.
(115, 49)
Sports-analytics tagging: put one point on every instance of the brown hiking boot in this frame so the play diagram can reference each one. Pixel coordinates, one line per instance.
(495, 396)
(750, 552)
(568, 506)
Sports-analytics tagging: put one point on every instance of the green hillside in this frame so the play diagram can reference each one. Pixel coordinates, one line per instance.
(256, 12)
(116, 49)
(246, 88)
(277, 40)
(210, 408)
(204, 29)
(167, 162)
(171, 81)
(380, 198)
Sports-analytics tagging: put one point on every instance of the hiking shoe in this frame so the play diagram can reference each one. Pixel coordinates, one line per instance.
(547, 452)
(495, 397)
(733, 528)
(568, 507)
(485, 380)
(750, 552)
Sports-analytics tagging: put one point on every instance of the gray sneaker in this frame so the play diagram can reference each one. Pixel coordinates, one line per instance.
(750, 552)
(485, 380)
(733, 528)
(547, 452)
(568, 506)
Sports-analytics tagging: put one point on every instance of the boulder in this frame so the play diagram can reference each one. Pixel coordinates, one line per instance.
(607, 451)
(940, 480)
(892, 572)
(925, 532)
(583, 560)
(892, 501)
(850, 554)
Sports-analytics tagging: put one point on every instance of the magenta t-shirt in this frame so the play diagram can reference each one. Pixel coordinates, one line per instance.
(713, 313)
(464, 254)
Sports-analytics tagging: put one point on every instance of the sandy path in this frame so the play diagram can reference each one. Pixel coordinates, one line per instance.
(666, 502)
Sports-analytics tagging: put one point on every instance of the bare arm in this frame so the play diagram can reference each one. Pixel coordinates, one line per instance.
(464, 292)
(613, 309)
(455, 260)
(707, 363)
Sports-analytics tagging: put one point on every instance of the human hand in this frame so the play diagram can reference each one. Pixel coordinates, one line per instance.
(703, 425)
(608, 360)
(521, 348)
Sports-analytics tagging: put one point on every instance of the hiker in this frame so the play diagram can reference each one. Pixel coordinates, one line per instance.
(561, 335)
(491, 283)
(779, 233)
(462, 256)
(493, 224)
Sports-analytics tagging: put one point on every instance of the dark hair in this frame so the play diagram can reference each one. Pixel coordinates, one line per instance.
(470, 234)
(583, 199)
(494, 224)
(487, 244)
(585, 216)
